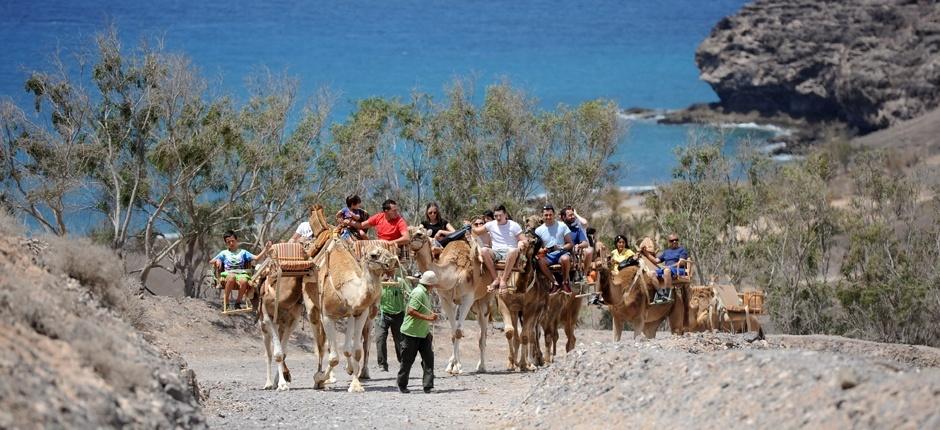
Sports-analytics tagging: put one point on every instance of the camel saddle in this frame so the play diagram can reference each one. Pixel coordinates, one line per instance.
(730, 299)
(292, 259)
(361, 247)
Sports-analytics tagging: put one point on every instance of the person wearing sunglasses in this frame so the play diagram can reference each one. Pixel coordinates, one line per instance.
(556, 240)
(437, 227)
(668, 265)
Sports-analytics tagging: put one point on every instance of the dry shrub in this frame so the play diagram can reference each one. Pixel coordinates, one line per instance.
(9, 226)
(97, 268)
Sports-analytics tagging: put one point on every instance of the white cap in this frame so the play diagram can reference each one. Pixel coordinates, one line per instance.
(428, 278)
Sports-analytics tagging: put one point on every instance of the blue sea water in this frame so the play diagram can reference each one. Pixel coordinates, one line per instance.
(637, 53)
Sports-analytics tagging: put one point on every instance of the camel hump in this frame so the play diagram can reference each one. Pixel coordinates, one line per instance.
(457, 253)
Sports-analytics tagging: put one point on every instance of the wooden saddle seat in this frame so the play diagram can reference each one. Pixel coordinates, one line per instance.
(501, 266)
(684, 277)
(292, 259)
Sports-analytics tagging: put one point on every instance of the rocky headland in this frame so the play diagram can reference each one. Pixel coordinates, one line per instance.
(866, 64)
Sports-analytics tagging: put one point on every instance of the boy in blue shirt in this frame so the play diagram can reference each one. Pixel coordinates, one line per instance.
(234, 263)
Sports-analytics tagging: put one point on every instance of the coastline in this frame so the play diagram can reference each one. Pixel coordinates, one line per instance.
(792, 137)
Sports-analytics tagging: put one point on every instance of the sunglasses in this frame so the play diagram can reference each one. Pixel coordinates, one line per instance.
(673, 240)
(432, 212)
(478, 223)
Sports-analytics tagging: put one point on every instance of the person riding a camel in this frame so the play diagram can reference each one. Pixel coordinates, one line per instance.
(507, 241)
(556, 242)
(233, 263)
(352, 212)
(389, 225)
(579, 237)
(667, 265)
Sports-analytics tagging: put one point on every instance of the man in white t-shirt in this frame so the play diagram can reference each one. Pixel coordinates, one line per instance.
(507, 239)
(556, 241)
(303, 233)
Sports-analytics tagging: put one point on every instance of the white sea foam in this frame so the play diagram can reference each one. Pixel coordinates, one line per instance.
(787, 157)
(776, 130)
(650, 116)
(771, 147)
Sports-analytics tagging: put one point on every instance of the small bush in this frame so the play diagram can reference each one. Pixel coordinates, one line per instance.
(98, 269)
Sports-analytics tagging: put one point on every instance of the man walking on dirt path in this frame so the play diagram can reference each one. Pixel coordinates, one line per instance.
(391, 316)
(416, 334)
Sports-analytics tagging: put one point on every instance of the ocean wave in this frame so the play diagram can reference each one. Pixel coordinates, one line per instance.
(776, 130)
(652, 116)
(786, 157)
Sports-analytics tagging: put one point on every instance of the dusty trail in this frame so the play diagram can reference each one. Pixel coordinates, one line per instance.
(227, 356)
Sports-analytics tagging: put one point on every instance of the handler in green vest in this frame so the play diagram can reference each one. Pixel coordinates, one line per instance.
(416, 334)
(391, 316)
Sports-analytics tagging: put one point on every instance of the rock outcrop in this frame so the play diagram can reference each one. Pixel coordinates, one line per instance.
(867, 63)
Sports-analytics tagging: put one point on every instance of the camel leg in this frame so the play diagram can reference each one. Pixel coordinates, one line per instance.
(617, 326)
(266, 336)
(569, 335)
(356, 341)
(349, 345)
(329, 327)
(483, 318)
(366, 341)
(529, 344)
(278, 352)
(450, 311)
(509, 329)
(462, 311)
(522, 344)
(549, 351)
(286, 328)
(649, 329)
(319, 335)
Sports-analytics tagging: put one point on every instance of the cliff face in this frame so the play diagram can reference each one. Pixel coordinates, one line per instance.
(867, 63)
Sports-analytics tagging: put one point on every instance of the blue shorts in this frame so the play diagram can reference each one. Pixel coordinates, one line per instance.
(676, 271)
(554, 256)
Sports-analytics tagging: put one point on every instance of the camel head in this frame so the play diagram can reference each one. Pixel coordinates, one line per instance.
(380, 260)
(699, 299)
(419, 238)
(532, 222)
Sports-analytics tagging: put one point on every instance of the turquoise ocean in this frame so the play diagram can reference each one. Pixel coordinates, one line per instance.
(636, 53)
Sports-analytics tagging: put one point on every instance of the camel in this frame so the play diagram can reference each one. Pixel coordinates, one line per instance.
(282, 299)
(704, 315)
(522, 307)
(279, 317)
(348, 292)
(563, 310)
(627, 295)
(276, 330)
(461, 287)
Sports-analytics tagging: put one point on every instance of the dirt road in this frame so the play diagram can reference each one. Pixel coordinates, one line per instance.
(228, 359)
(227, 355)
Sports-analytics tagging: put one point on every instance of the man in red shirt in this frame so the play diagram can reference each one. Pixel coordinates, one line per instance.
(389, 225)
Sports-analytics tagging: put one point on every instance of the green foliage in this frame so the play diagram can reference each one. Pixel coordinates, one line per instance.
(854, 259)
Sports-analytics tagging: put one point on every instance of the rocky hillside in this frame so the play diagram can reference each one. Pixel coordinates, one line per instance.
(72, 352)
(719, 381)
(869, 63)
